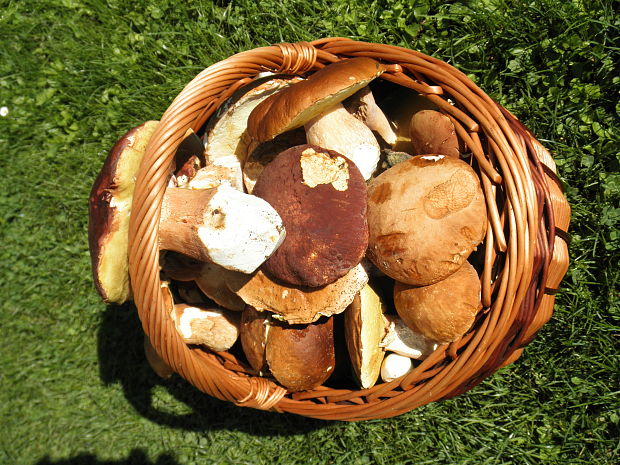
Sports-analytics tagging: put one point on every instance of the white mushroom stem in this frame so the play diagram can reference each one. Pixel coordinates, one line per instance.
(338, 130)
(362, 105)
(220, 225)
(211, 327)
(401, 340)
(394, 366)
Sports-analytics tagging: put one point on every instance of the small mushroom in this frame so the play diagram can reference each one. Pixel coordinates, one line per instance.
(402, 340)
(394, 366)
(219, 172)
(321, 197)
(294, 106)
(213, 328)
(364, 328)
(159, 366)
(338, 130)
(425, 215)
(444, 311)
(298, 304)
(433, 132)
(299, 357)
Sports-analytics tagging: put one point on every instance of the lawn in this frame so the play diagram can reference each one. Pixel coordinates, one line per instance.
(75, 388)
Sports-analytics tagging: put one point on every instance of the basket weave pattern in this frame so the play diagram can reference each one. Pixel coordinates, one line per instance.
(525, 254)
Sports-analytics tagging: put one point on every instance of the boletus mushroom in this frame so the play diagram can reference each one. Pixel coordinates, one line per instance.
(297, 304)
(321, 197)
(433, 132)
(426, 215)
(297, 104)
(443, 311)
(299, 357)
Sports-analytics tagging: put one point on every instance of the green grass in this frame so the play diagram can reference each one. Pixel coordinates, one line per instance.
(74, 386)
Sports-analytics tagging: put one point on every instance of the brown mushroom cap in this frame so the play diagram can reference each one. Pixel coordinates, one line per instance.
(433, 132)
(443, 311)
(294, 106)
(253, 331)
(321, 197)
(301, 357)
(425, 215)
(109, 209)
(296, 304)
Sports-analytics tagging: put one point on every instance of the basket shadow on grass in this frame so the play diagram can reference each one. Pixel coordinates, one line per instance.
(136, 457)
(122, 360)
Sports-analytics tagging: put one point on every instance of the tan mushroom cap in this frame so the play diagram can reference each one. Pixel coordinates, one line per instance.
(296, 105)
(425, 215)
(432, 132)
(443, 311)
(109, 210)
(297, 304)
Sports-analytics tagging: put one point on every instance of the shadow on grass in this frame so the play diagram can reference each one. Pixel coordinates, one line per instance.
(122, 360)
(136, 457)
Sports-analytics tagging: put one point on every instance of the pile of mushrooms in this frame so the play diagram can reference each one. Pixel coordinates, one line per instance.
(303, 202)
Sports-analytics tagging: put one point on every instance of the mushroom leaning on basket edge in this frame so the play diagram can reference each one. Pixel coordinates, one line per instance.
(386, 400)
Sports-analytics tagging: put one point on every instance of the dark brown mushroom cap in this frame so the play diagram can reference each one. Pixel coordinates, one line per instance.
(292, 107)
(321, 197)
(109, 208)
(301, 357)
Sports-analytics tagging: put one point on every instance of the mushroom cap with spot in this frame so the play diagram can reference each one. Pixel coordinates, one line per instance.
(321, 197)
(425, 215)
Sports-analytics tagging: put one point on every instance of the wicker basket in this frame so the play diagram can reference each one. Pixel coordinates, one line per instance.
(525, 250)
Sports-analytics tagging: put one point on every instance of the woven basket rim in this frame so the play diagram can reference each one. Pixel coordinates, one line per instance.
(517, 175)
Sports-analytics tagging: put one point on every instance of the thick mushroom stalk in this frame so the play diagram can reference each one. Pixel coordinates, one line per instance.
(363, 106)
(339, 130)
(220, 225)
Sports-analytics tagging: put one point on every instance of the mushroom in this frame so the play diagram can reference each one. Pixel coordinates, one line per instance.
(298, 304)
(402, 340)
(425, 215)
(443, 311)
(364, 328)
(336, 129)
(433, 132)
(299, 357)
(222, 225)
(362, 105)
(226, 140)
(213, 328)
(210, 278)
(394, 366)
(109, 208)
(321, 197)
(297, 104)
